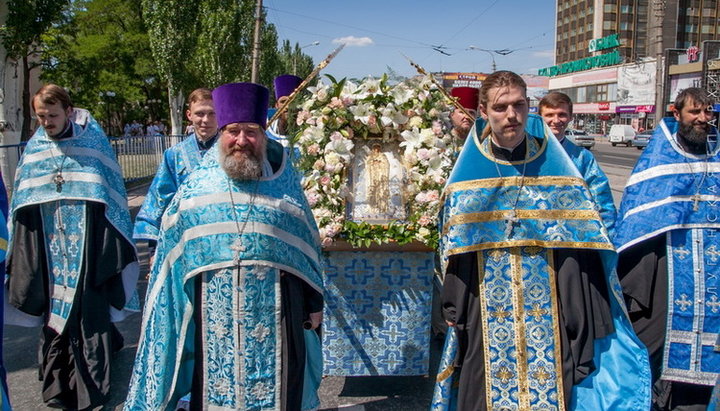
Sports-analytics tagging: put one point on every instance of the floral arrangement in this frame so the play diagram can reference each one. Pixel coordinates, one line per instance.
(414, 114)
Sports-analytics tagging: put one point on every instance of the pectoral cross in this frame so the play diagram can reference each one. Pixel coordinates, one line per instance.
(696, 202)
(238, 248)
(59, 181)
(511, 219)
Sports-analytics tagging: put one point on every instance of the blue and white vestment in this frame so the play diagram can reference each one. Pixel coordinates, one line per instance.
(72, 265)
(673, 198)
(232, 249)
(178, 162)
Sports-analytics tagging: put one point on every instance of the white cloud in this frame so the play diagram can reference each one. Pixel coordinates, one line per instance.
(354, 41)
(544, 53)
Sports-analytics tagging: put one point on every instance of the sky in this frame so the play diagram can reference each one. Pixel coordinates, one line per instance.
(378, 33)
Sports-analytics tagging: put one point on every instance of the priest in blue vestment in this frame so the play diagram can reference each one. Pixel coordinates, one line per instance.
(556, 110)
(72, 265)
(178, 162)
(530, 291)
(237, 285)
(668, 240)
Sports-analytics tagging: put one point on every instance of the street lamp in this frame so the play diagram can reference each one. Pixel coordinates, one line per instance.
(314, 43)
(503, 52)
(492, 56)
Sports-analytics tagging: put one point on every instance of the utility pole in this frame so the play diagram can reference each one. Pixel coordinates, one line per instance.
(657, 8)
(256, 44)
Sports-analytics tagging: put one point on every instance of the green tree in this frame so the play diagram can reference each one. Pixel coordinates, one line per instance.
(101, 53)
(172, 29)
(27, 21)
(224, 42)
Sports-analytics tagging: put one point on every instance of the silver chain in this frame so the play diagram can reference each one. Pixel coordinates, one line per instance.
(240, 230)
(511, 218)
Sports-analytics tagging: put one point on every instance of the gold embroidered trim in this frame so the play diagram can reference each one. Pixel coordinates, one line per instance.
(524, 243)
(520, 337)
(514, 181)
(532, 144)
(445, 374)
(486, 337)
(497, 215)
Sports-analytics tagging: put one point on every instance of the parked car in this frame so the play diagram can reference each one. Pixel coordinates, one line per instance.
(641, 140)
(621, 134)
(580, 138)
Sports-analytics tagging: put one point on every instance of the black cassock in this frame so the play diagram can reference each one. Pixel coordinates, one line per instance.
(74, 365)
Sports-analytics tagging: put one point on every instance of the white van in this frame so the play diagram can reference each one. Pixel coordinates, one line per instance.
(621, 134)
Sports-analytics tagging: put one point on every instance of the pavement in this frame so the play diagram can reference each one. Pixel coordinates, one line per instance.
(336, 393)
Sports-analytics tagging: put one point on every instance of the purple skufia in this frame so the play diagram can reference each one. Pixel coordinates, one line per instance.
(241, 103)
(285, 85)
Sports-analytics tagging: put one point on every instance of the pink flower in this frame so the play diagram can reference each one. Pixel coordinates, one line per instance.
(336, 103)
(335, 136)
(327, 241)
(325, 180)
(319, 164)
(372, 122)
(313, 197)
(432, 195)
(421, 197)
(313, 150)
(423, 154)
(424, 220)
(302, 116)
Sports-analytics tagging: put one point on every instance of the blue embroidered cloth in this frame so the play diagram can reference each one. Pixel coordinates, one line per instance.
(597, 182)
(675, 194)
(377, 306)
(515, 236)
(200, 235)
(178, 162)
(89, 172)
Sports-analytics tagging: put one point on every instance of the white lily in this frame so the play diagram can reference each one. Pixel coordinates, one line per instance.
(412, 140)
(391, 117)
(362, 112)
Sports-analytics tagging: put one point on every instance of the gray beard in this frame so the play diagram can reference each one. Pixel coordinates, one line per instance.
(694, 137)
(248, 167)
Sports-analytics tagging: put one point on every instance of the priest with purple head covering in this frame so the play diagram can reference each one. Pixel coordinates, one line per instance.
(284, 86)
(235, 293)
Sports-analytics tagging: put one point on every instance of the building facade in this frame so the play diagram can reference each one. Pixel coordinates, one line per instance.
(606, 57)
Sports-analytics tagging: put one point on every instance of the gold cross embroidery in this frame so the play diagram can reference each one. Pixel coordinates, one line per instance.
(541, 375)
(504, 374)
(537, 312)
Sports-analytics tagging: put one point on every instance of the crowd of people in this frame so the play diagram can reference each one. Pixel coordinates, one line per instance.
(549, 297)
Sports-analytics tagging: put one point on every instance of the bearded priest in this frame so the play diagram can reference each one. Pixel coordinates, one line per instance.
(236, 291)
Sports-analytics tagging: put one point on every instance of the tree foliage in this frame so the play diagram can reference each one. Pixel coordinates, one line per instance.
(144, 51)
(102, 55)
(26, 22)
